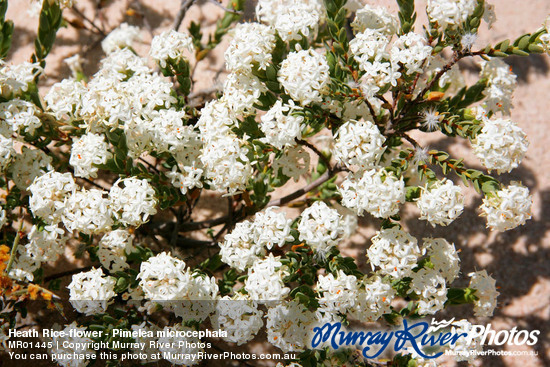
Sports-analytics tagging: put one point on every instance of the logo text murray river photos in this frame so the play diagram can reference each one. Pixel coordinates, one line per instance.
(416, 336)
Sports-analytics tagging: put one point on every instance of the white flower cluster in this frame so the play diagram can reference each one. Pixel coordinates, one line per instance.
(394, 251)
(15, 79)
(443, 256)
(169, 45)
(501, 145)
(239, 317)
(87, 211)
(377, 18)
(241, 91)
(265, 280)
(18, 116)
(320, 227)
(486, 293)
(134, 203)
(358, 143)
(91, 292)
(430, 286)
(374, 300)
(440, 203)
(450, 13)
(289, 326)
(28, 165)
(305, 76)
(292, 162)
(64, 355)
(121, 37)
(501, 83)
(251, 45)
(377, 191)
(280, 126)
(410, 51)
(507, 208)
(337, 294)
(48, 194)
(113, 249)
(88, 151)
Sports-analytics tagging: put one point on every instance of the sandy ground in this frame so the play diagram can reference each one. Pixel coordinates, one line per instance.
(518, 259)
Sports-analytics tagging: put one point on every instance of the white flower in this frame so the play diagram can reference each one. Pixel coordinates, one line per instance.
(305, 76)
(377, 191)
(268, 11)
(251, 45)
(430, 120)
(20, 116)
(501, 83)
(239, 317)
(293, 162)
(169, 45)
(443, 256)
(121, 37)
(358, 143)
(430, 286)
(15, 79)
(440, 203)
(91, 292)
(411, 51)
(88, 151)
(450, 13)
(163, 277)
(64, 99)
(466, 349)
(501, 145)
(486, 292)
(272, 228)
(377, 18)
(289, 326)
(280, 126)
(377, 75)
(241, 91)
(46, 244)
(297, 20)
(239, 249)
(64, 354)
(368, 46)
(394, 251)
(337, 294)
(113, 249)
(87, 211)
(75, 64)
(186, 177)
(468, 40)
(507, 208)
(48, 194)
(28, 165)
(320, 227)
(6, 151)
(374, 300)
(265, 280)
(134, 203)
(178, 350)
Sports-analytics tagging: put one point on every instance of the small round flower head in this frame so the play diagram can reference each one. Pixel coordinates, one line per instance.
(443, 256)
(450, 13)
(16, 78)
(28, 165)
(411, 51)
(87, 211)
(186, 178)
(121, 37)
(265, 280)
(465, 349)
(91, 292)
(368, 46)
(292, 162)
(394, 251)
(169, 45)
(239, 250)
(337, 294)
(163, 277)
(441, 203)
(251, 45)
(305, 76)
(63, 355)
(48, 194)
(377, 18)
(272, 228)
(377, 191)
(297, 20)
(320, 227)
(507, 208)
(468, 40)
(64, 99)
(486, 292)
(241, 91)
(198, 300)
(6, 151)
(378, 75)
(88, 151)
(134, 203)
(180, 350)
(289, 326)
(374, 300)
(46, 244)
(20, 116)
(431, 119)
(501, 83)
(113, 249)
(358, 143)
(239, 317)
(501, 145)
(268, 11)
(430, 286)
(75, 64)
(280, 126)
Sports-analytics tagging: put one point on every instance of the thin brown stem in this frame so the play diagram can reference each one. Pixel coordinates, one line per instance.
(185, 5)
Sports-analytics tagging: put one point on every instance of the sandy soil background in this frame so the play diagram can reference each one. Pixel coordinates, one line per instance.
(518, 259)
